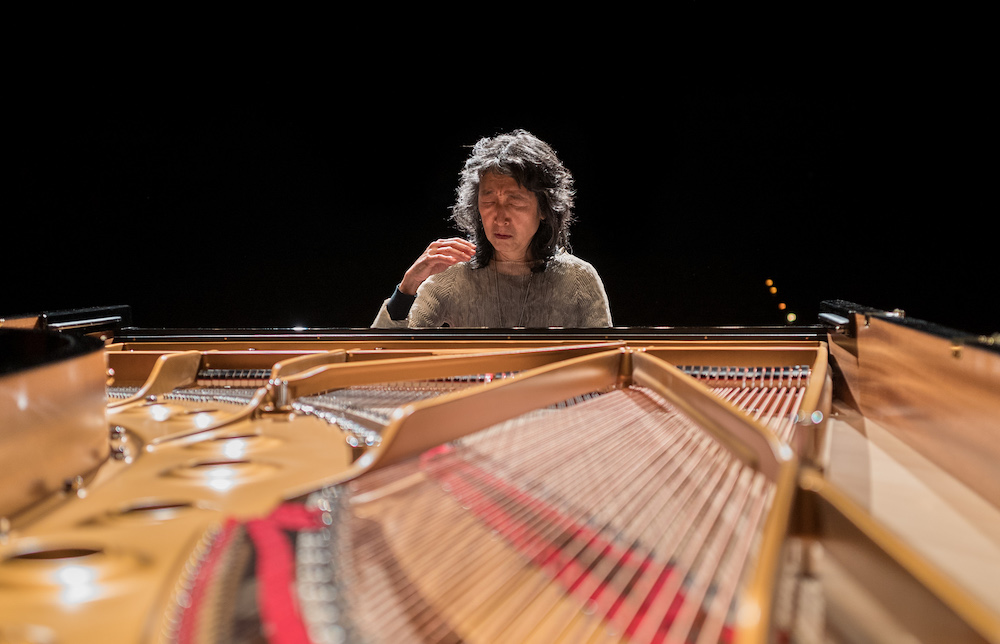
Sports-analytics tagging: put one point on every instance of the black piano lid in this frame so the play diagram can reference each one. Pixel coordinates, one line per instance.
(22, 349)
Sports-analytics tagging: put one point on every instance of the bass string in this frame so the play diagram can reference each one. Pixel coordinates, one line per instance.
(678, 505)
(585, 451)
(522, 597)
(754, 504)
(702, 568)
(624, 483)
(432, 534)
(599, 437)
(781, 417)
(517, 446)
(696, 515)
(681, 569)
(727, 580)
(534, 446)
(576, 551)
(711, 540)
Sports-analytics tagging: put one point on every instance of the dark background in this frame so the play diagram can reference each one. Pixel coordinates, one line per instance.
(269, 207)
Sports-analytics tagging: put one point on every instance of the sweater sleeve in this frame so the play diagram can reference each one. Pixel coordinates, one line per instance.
(425, 310)
(594, 308)
(384, 321)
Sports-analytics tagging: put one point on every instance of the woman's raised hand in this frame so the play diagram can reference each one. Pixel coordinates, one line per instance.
(438, 256)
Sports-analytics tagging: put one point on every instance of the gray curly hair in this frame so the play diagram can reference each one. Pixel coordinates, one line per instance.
(534, 165)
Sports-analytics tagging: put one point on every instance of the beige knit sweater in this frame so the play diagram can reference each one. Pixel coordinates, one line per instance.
(568, 293)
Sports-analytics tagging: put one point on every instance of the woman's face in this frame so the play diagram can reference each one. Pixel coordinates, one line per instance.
(510, 216)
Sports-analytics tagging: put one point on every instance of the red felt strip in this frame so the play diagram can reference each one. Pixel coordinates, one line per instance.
(279, 610)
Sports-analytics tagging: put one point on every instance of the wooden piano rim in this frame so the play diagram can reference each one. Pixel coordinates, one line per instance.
(894, 552)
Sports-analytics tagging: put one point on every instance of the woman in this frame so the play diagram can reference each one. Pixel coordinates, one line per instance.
(515, 204)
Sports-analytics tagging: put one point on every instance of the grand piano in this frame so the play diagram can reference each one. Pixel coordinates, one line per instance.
(828, 482)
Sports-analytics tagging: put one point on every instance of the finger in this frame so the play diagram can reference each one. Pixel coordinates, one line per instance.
(456, 241)
(450, 253)
(446, 258)
(461, 246)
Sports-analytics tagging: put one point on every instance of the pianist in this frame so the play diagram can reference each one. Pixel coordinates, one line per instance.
(514, 267)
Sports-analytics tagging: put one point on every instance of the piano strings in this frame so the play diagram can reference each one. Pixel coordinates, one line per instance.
(772, 396)
(488, 538)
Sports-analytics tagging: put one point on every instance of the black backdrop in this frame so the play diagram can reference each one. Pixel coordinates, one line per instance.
(273, 210)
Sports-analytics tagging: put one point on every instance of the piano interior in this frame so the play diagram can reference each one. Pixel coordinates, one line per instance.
(827, 483)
